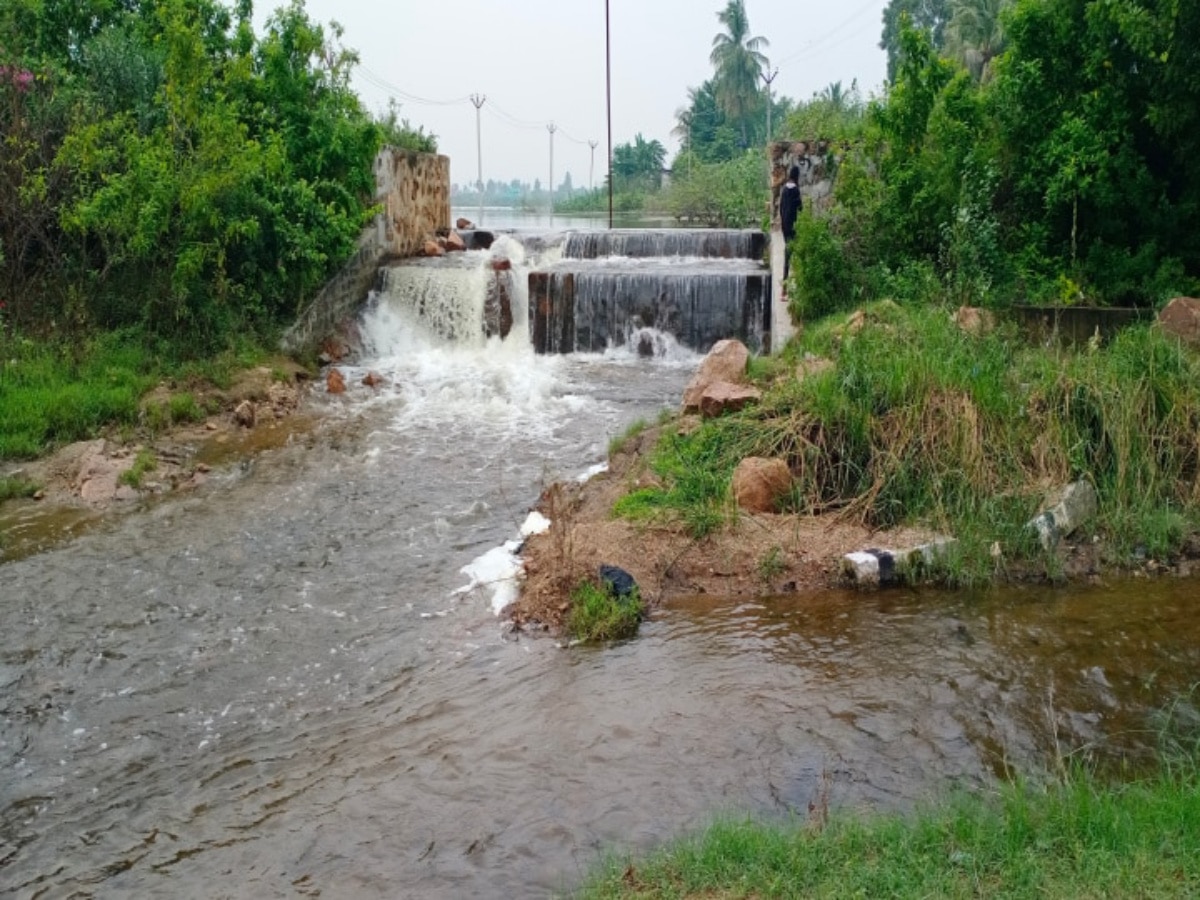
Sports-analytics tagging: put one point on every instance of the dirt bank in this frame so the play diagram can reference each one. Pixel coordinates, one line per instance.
(755, 555)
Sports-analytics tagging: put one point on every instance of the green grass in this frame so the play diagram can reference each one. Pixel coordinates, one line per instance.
(144, 462)
(12, 487)
(597, 615)
(921, 423)
(51, 395)
(1079, 838)
(177, 410)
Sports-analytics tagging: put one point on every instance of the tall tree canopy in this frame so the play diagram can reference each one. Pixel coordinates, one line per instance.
(739, 63)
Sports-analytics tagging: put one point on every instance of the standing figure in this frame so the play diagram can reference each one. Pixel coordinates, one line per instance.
(790, 205)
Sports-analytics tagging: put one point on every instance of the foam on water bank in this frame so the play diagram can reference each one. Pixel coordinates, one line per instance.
(500, 569)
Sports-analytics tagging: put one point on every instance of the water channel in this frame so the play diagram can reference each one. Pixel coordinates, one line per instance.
(275, 688)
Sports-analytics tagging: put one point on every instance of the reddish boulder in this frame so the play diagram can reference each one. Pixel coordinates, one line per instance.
(759, 483)
(1181, 318)
(726, 362)
(455, 243)
(433, 248)
(335, 382)
(373, 379)
(464, 224)
(721, 397)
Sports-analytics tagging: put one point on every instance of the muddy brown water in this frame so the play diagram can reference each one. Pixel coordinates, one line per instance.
(270, 689)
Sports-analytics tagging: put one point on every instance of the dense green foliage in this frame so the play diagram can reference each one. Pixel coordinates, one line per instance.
(1034, 151)
(920, 422)
(1080, 837)
(166, 169)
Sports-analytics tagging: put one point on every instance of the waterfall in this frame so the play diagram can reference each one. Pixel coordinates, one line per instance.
(584, 292)
(704, 243)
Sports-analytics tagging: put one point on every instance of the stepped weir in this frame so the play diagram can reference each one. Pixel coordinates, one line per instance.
(588, 291)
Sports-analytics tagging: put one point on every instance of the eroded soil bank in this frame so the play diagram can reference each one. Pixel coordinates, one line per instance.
(754, 555)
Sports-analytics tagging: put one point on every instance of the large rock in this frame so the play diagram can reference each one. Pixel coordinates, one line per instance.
(335, 382)
(1181, 318)
(433, 248)
(722, 397)
(455, 243)
(1065, 511)
(875, 566)
(464, 224)
(759, 483)
(974, 320)
(497, 303)
(98, 481)
(726, 361)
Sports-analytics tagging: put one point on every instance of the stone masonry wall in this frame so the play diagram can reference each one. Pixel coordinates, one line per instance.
(414, 191)
(815, 159)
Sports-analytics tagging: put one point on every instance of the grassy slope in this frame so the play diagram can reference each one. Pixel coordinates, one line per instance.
(1079, 839)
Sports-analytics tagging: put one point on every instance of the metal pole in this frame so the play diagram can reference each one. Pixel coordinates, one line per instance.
(608, 82)
(592, 167)
(551, 128)
(478, 100)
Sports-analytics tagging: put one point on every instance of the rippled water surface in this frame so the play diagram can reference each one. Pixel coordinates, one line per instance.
(273, 690)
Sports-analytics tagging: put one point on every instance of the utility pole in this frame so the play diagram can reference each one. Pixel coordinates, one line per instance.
(768, 79)
(608, 104)
(592, 166)
(552, 128)
(477, 100)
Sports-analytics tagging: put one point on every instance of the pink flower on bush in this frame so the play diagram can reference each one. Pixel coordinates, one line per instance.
(21, 79)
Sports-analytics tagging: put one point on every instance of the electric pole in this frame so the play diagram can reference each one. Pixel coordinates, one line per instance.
(477, 100)
(768, 79)
(592, 166)
(552, 128)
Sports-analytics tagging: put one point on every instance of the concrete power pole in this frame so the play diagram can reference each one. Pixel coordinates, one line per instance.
(477, 100)
(552, 128)
(768, 79)
(592, 166)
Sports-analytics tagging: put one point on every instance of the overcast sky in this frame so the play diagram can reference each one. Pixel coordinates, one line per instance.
(543, 61)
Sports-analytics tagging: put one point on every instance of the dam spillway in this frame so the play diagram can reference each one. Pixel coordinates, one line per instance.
(591, 291)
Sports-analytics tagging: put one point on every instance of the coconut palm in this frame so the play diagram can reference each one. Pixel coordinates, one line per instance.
(739, 63)
(975, 34)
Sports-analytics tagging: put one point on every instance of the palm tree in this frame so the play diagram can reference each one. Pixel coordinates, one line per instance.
(975, 34)
(739, 62)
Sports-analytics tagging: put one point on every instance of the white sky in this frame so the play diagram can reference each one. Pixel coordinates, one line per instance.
(542, 61)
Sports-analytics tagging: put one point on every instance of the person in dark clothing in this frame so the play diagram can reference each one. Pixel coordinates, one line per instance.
(790, 205)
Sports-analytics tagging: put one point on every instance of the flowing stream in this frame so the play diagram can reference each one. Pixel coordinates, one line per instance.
(277, 688)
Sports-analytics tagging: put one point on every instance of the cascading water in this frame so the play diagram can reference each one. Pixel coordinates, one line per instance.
(698, 285)
(703, 243)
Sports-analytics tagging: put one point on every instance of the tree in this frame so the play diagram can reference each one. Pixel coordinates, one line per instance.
(739, 63)
(639, 165)
(975, 34)
(929, 16)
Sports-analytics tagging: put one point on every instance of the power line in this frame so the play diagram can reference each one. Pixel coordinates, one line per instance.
(815, 44)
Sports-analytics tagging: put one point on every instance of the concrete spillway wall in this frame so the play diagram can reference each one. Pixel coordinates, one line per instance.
(582, 310)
